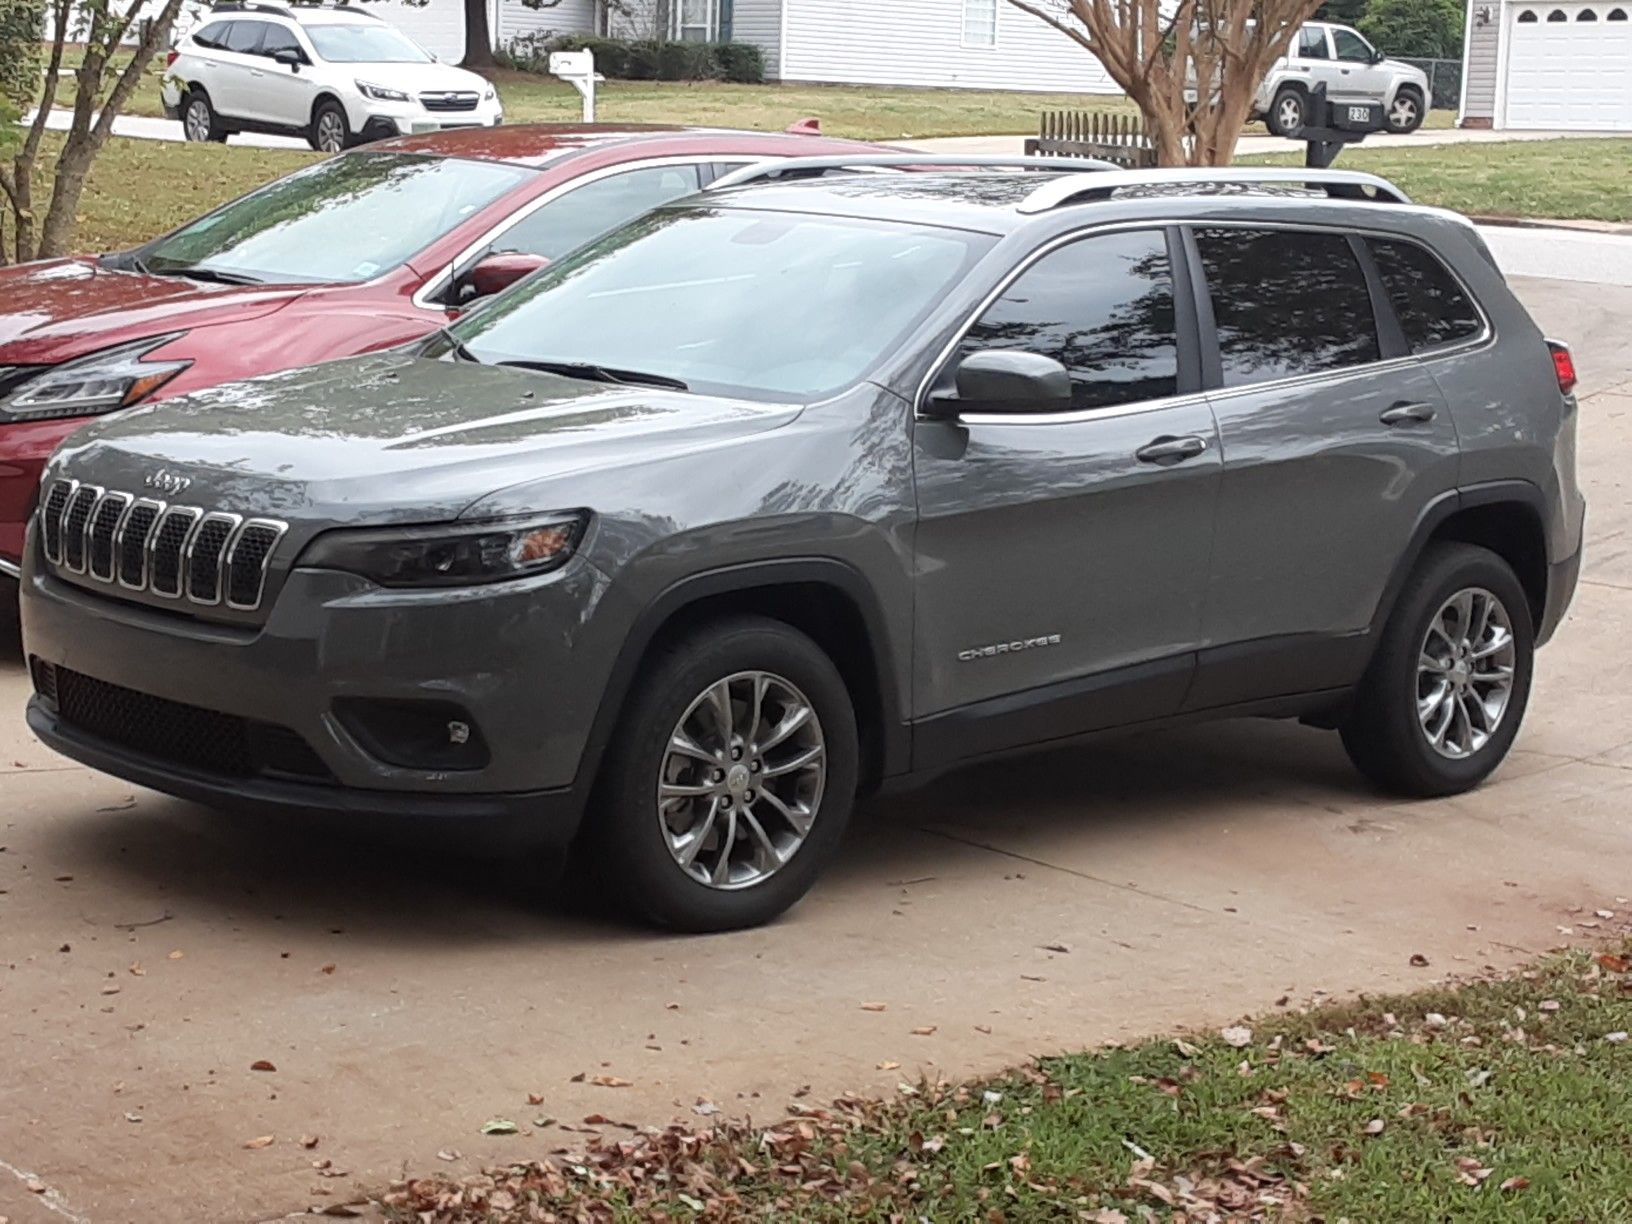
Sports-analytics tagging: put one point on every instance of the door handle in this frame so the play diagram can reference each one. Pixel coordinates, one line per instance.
(1168, 450)
(1408, 414)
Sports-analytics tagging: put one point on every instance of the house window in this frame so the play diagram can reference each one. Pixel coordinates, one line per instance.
(1527, 18)
(1586, 15)
(694, 20)
(980, 23)
(1558, 15)
(1617, 14)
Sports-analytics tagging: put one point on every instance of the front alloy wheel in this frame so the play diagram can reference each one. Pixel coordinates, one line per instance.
(742, 780)
(728, 780)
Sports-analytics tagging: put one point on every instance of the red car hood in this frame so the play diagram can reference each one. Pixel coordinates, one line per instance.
(64, 308)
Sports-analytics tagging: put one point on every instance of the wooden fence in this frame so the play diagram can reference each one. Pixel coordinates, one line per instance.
(1113, 138)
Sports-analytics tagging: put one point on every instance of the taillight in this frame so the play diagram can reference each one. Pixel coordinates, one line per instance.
(1563, 365)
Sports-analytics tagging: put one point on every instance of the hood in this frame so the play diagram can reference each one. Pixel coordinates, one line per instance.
(1410, 71)
(418, 78)
(62, 309)
(392, 438)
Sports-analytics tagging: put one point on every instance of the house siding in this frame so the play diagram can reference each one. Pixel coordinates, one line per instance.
(920, 42)
(1481, 63)
(516, 20)
(760, 22)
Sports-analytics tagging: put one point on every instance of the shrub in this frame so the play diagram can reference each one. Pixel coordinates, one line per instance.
(741, 62)
(641, 59)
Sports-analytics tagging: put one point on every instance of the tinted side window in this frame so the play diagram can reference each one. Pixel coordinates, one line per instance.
(1312, 44)
(213, 35)
(1431, 306)
(1103, 308)
(279, 39)
(1351, 48)
(570, 220)
(1287, 302)
(244, 37)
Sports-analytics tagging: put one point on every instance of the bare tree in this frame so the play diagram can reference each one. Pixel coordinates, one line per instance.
(1157, 49)
(102, 89)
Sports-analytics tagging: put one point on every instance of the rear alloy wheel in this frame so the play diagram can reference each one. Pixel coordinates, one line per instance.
(1441, 704)
(1407, 112)
(330, 131)
(1286, 113)
(729, 780)
(198, 121)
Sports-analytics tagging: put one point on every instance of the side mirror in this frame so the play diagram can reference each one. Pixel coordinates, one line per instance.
(1377, 56)
(1005, 380)
(497, 272)
(290, 57)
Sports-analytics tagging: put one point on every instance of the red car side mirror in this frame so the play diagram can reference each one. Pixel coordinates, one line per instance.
(498, 271)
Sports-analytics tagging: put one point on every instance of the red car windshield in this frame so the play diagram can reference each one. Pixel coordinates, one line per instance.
(342, 221)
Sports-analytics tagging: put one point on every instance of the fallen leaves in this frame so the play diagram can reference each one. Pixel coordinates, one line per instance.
(1419, 961)
(1237, 1036)
(874, 1007)
(1374, 1128)
(260, 1141)
(262, 1064)
(927, 1030)
(500, 1126)
(610, 1081)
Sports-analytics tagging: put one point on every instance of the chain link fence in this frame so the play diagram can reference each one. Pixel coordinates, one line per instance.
(1444, 80)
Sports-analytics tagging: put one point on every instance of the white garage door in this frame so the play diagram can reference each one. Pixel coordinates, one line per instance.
(438, 26)
(1569, 66)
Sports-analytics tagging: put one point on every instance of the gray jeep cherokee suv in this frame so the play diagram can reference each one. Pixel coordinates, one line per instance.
(793, 488)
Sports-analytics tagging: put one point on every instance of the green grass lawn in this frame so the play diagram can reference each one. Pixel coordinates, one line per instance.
(1560, 179)
(1500, 1101)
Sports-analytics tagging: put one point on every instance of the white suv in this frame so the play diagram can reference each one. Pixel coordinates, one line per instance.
(1352, 71)
(335, 76)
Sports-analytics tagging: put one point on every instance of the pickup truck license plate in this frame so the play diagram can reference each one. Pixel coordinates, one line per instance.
(1359, 114)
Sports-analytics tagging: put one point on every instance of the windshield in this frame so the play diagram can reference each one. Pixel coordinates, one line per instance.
(365, 44)
(754, 304)
(342, 221)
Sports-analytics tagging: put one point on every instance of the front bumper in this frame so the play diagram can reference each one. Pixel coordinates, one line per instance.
(381, 120)
(503, 655)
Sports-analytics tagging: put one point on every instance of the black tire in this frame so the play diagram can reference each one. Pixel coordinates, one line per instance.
(1383, 734)
(624, 840)
(199, 122)
(328, 116)
(1408, 113)
(1278, 121)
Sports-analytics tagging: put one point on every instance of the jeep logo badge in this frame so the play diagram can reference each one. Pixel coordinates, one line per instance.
(167, 482)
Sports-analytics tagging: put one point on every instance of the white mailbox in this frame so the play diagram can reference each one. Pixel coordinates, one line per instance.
(577, 68)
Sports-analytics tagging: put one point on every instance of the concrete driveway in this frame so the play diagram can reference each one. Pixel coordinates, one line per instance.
(151, 953)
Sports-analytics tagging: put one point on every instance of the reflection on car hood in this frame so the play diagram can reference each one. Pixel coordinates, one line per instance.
(393, 438)
(420, 78)
(61, 309)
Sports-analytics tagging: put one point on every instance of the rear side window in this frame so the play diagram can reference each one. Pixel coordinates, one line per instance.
(244, 37)
(214, 35)
(1286, 302)
(1101, 307)
(1432, 307)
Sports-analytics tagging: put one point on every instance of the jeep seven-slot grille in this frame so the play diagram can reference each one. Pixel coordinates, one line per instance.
(175, 733)
(207, 557)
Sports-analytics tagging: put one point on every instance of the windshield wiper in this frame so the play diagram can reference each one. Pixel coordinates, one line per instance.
(600, 373)
(208, 274)
(457, 347)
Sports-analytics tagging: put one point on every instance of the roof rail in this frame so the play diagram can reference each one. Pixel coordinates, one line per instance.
(778, 167)
(1339, 184)
(250, 6)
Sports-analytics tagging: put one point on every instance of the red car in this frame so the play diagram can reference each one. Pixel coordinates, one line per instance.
(359, 252)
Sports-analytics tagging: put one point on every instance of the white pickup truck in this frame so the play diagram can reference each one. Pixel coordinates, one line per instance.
(1353, 72)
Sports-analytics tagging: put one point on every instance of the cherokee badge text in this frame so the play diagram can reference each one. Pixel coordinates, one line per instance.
(1002, 648)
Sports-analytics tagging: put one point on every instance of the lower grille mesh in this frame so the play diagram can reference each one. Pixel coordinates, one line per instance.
(176, 733)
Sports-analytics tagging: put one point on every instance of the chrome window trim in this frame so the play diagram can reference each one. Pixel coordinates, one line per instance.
(233, 521)
(111, 495)
(10, 570)
(439, 280)
(1485, 339)
(119, 542)
(1452, 347)
(181, 550)
(280, 530)
(96, 492)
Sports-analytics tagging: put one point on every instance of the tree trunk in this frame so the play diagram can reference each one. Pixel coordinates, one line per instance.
(478, 36)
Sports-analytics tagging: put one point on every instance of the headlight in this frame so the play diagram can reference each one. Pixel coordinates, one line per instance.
(452, 554)
(103, 382)
(380, 93)
(490, 94)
